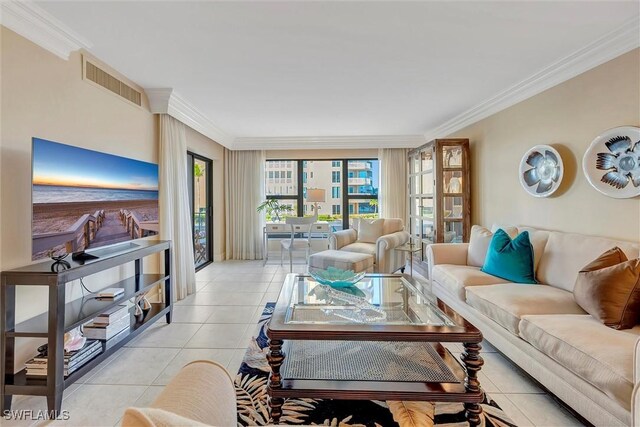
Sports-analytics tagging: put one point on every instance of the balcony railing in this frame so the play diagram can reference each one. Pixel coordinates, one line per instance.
(279, 180)
(359, 165)
(359, 181)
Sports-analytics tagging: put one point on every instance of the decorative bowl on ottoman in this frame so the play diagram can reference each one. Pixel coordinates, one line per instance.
(335, 277)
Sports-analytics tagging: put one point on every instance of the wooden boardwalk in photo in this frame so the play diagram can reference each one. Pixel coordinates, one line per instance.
(112, 231)
(103, 227)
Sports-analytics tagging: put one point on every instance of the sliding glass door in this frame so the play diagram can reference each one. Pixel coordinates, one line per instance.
(200, 196)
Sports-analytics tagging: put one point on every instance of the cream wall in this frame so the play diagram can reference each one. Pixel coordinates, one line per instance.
(45, 96)
(205, 147)
(568, 117)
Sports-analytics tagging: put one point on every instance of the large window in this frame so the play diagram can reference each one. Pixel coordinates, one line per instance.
(323, 174)
(281, 178)
(351, 188)
(281, 183)
(362, 188)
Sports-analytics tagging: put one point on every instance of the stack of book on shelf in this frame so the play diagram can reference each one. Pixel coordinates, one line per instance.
(108, 325)
(73, 360)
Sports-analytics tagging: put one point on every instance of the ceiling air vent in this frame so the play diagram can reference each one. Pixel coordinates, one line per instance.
(99, 76)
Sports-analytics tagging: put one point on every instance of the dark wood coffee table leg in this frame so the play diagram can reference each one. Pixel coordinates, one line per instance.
(275, 358)
(472, 362)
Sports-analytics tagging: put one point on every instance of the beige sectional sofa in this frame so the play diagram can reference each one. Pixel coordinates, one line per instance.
(591, 367)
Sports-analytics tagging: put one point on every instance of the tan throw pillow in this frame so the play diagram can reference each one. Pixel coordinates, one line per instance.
(369, 231)
(608, 288)
(479, 243)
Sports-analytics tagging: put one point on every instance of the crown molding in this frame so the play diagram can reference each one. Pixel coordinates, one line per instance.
(32, 22)
(327, 142)
(167, 101)
(159, 99)
(37, 25)
(613, 44)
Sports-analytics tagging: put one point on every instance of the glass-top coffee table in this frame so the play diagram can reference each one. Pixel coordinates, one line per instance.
(378, 340)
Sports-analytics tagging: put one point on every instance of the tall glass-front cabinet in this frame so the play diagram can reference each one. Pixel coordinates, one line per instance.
(439, 196)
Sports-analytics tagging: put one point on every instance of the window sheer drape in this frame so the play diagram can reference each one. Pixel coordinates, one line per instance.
(393, 183)
(244, 185)
(175, 213)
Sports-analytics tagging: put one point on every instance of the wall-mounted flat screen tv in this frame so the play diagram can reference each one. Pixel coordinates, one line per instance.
(84, 199)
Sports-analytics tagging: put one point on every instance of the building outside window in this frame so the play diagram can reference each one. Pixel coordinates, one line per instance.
(278, 187)
(363, 176)
(351, 188)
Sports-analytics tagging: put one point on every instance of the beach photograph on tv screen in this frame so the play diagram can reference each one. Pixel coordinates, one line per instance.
(85, 199)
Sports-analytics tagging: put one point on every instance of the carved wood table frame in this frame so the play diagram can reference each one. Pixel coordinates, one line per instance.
(466, 390)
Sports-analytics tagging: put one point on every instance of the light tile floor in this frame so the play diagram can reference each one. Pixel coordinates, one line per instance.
(217, 322)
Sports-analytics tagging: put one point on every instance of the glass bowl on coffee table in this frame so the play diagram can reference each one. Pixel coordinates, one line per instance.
(336, 277)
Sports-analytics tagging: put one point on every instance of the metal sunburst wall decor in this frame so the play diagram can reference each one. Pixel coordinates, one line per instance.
(612, 162)
(541, 171)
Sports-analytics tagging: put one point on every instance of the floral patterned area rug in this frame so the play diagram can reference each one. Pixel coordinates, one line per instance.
(253, 409)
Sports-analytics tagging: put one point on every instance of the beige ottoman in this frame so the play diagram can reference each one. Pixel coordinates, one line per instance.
(343, 260)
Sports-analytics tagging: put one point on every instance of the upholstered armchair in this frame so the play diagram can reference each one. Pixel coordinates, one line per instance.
(391, 235)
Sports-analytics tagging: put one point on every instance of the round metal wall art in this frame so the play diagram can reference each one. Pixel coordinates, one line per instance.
(541, 171)
(612, 162)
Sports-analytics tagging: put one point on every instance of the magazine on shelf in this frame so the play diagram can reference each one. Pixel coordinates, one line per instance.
(39, 362)
(73, 360)
(69, 355)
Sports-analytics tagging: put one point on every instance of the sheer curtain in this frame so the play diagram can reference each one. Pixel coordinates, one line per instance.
(175, 213)
(393, 183)
(244, 185)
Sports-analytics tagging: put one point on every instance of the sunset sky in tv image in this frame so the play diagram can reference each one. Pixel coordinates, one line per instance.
(65, 165)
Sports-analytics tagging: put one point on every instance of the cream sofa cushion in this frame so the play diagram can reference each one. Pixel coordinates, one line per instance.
(202, 391)
(361, 247)
(505, 304)
(596, 353)
(538, 239)
(392, 225)
(455, 278)
(389, 225)
(370, 231)
(566, 253)
(479, 243)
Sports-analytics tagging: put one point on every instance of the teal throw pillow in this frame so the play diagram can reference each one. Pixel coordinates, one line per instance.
(510, 259)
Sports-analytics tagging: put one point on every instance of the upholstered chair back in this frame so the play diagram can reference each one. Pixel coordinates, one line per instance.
(391, 225)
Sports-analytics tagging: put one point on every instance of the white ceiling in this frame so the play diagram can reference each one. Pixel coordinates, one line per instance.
(285, 69)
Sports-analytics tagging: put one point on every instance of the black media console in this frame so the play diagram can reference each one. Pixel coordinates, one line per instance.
(64, 316)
